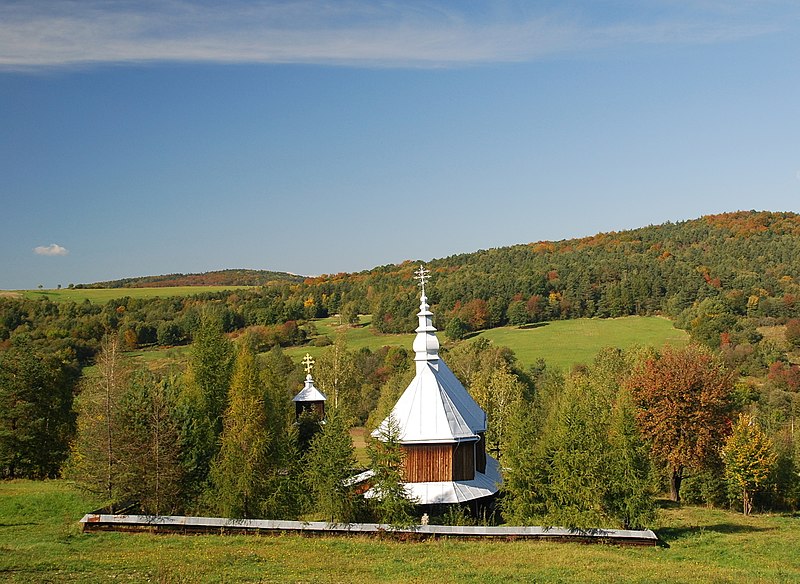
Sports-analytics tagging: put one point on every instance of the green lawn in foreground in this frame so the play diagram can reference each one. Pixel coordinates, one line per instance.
(40, 541)
(106, 294)
(564, 343)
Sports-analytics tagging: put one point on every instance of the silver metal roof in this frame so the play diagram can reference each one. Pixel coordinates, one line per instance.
(309, 393)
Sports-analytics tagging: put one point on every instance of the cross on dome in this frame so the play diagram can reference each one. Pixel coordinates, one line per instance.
(423, 276)
(308, 362)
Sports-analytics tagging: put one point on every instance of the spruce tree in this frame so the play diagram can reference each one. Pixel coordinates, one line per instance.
(203, 402)
(390, 501)
(148, 455)
(329, 463)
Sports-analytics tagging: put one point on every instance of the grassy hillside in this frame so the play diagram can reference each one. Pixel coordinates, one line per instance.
(564, 343)
(40, 541)
(561, 343)
(105, 294)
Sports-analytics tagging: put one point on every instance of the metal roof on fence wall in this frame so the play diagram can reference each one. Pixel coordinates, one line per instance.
(221, 525)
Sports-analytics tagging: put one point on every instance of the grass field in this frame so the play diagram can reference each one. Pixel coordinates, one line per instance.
(40, 541)
(106, 294)
(563, 343)
(359, 336)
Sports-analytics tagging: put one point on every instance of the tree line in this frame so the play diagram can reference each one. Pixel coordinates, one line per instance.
(719, 277)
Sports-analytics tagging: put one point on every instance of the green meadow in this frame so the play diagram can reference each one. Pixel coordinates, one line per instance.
(41, 541)
(358, 336)
(561, 343)
(101, 295)
(564, 343)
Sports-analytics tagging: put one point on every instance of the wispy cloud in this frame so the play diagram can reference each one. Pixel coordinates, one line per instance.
(50, 250)
(58, 33)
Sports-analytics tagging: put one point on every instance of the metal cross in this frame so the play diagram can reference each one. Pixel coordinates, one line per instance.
(423, 276)
(309, 363)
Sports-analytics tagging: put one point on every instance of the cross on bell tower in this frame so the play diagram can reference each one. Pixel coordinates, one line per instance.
(308, 363)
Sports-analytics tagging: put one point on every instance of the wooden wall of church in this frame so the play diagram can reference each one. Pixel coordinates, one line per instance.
(439, 462)
(464, 461)
(428, 463)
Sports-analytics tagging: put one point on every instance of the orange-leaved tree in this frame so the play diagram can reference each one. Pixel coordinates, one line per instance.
(684, 399)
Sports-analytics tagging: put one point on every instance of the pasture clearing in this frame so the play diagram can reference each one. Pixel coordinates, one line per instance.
(102, 295)
(565, 343)
(561, 343)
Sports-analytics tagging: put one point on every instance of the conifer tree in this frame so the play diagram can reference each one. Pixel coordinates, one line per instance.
(148, 455)
(95, 452)
(240, 470)
(579, 461)
(329, 463)
(203, 402)
(336, 375)
(525, 464)
(210, 369)
(498, 391)
(630, 494)
(390, 501)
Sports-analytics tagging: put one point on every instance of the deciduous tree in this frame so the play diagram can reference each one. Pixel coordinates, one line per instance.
(684, 397)
(36, 417)
(749, 456)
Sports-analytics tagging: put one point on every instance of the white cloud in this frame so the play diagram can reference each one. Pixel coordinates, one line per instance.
(50, 250)
(355, 32)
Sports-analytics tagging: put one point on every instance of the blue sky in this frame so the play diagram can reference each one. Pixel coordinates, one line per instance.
(142, 138)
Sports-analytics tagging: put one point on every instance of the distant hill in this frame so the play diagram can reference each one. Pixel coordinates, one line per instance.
(216, 278)
(748, 262)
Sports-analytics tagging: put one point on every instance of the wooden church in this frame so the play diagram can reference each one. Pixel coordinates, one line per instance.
(441, 428)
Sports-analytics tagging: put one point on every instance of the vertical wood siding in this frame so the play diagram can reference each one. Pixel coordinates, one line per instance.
(439, 462)
(464, 461)
(428, 462)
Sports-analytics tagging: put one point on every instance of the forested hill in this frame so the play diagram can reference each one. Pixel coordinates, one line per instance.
(215, 278)
(719, 277)
(748, 261)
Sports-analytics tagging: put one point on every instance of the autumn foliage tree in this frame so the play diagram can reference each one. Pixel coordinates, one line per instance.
(749, 456)
(684, 399)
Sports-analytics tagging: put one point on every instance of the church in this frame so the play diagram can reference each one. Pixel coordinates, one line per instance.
(441, 429)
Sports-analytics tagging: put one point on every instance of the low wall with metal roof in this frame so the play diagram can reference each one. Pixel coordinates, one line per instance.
(220, 525)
